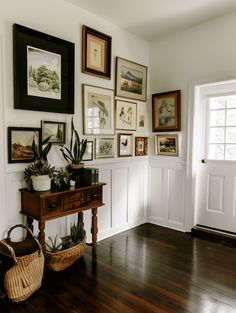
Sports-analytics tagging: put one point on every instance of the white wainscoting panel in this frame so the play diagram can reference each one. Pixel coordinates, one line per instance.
(215, 193)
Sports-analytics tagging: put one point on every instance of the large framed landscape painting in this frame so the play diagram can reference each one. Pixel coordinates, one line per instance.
(131, 80)
(20, 140)
(43, 71)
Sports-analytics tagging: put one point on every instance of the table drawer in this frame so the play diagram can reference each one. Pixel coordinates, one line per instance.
(74, 200)
(94, 196)
(51, 206)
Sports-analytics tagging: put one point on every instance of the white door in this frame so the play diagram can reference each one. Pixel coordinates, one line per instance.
(215, 201)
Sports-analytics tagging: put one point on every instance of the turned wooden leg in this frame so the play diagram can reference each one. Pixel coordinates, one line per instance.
(42, 235)
(94, 229)
(81, 218)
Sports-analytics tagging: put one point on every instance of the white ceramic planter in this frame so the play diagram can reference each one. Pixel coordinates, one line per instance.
(41, 182)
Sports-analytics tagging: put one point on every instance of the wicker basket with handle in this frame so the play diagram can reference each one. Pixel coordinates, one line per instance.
(25, 276)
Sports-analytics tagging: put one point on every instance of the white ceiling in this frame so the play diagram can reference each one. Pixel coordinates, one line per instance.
(150, 19)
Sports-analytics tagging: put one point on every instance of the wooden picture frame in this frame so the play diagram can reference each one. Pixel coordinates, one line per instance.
(141, 146)
(126, 113)
(20, 140)
(88, 155)
(125, 145)
(104, 148)
(166, 111)
(43, 71)
(57, 131)
(131, 80)
(98, 110)
(167, 145)
(96, 53)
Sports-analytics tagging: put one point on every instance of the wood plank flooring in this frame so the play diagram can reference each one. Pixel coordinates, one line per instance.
(143, 270)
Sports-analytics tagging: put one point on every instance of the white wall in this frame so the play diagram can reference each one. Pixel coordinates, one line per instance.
(125, 177)
(200, 54)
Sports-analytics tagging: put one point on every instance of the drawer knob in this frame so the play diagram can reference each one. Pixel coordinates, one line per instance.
(51, 207)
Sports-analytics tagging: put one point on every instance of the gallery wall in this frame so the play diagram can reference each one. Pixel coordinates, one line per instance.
(125, 177)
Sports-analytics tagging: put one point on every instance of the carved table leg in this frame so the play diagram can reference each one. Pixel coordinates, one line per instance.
(81, 218)
(94, 229)
(42, 235)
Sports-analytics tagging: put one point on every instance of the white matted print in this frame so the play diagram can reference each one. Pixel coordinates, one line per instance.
(98, 107)
(125, 145)
(126, 115)
(141, 120)
(104, 148)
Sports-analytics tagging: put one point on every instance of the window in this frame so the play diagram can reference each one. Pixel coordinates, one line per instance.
(222, 127)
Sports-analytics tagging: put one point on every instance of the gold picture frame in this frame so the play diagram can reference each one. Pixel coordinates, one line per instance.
(167, 145)
(141, 146)
(96, 53)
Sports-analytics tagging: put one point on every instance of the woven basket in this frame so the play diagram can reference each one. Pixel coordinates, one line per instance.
(59, 261)
(25, 276)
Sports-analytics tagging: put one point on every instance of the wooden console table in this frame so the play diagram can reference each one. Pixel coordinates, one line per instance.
(47, 205)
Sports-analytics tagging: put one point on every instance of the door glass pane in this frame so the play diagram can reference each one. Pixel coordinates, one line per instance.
(231, 101)
(231, 117)
(230, 153)
(217, 103)
(231, 135)
(216, 152)
(217, 118)
(217, 135)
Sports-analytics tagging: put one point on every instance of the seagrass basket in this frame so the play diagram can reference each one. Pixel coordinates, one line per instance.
(25, 276)
(59, 261)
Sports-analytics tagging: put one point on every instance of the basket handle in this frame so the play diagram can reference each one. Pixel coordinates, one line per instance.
(10, 249)
(29, 233)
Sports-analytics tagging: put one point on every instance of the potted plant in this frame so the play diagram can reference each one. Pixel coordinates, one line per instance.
(74, 154)
(60, 179)
(38, 174)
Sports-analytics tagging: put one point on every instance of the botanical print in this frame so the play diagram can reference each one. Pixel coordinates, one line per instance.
(166, 112)
(44, 73)
(104, 148)
(95, 53)
(131, 80)
(125, 115)
(21, 143)
(141, 120)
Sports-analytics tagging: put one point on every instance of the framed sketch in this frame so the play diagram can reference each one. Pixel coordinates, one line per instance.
(20, 140)
(57, 131)
(126, 115)
(88, 155)
(141, 146)
(104, 148)
(166, 111)
(131, 80)
(166, 145)
(125, 145)
(96, 53)
(141, 120)
(98, 110)
(43, 71)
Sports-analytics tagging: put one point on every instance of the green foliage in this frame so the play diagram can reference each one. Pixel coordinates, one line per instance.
(44, 78)
(61, 178)
(54, 245)
(77, 232)
(75, 153)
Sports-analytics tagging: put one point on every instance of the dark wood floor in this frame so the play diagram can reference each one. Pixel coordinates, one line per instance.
(146, 269)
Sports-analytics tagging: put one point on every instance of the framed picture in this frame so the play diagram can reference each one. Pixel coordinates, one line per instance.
(57, 131)
(88, 155)
(126, 115)
(96, 53)
(125, 145)
(166, 145)
(98, 110)
(141, 146)
(20, 140)
(43, 71)
(104, 148)
(166, 111)
(131, 80)
(141, 120)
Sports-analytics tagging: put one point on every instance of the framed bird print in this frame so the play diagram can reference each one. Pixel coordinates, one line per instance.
(126, 113)
(125, 145)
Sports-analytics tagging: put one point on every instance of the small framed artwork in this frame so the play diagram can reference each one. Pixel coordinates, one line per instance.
(88, 155)
(131, 80)
(20, 140)
(126, 115)
(98, 110)
(43, 71)
(166, 145)
(57, 131)
(125, 145)
(141, 120)
(96, 53)
(141, 146)
(104, 148)
(166, 111)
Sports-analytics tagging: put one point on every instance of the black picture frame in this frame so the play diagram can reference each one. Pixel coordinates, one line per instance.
(88, 155)
(19, 141)
(49, 96)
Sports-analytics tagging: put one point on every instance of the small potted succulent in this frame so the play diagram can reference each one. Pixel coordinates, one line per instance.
(39, 173)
